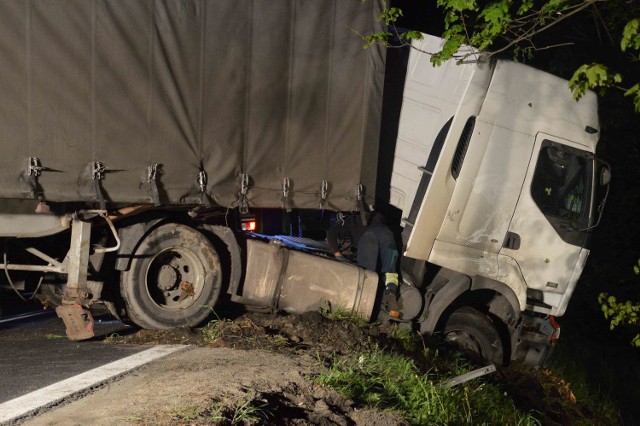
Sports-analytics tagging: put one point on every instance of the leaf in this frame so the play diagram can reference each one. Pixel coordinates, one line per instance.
(635, 92)
(411, 35)
(495, 21)
(552, 7)
(631, 35)
(390, 15)
(525, 6)
(592, 76)
(458, 5)
(381, 37)
(451, 46)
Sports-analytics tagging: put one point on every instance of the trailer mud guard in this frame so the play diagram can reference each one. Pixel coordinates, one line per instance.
(227, 236)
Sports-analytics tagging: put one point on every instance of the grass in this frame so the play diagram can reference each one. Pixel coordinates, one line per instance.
(111, 339)
(185, 414)
(251, 411)
(342, 314)
(213, 330)
(55, 336)
(132, 419)
(390, 381)
(247, 412)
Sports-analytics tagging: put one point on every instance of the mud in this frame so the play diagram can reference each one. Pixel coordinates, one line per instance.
(261, 368)
(314, 335)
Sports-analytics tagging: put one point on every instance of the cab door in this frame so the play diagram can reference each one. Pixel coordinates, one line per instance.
(547, 233)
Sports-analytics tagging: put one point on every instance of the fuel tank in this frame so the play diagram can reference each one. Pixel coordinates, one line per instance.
(281, 279)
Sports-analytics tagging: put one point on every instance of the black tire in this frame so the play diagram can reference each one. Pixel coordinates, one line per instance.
(174, 279)
(474, 333)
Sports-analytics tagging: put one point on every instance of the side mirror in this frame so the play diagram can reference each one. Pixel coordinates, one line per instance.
(605, 176)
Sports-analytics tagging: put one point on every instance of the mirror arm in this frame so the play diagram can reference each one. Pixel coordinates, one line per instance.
(600, 211)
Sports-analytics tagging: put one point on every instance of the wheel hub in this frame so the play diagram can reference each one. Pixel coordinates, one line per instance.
(167, 277)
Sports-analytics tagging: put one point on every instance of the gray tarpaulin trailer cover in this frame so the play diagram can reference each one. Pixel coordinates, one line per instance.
(273, 89)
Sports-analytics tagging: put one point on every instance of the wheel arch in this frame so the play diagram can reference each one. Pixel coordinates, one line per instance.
(500, 301)
(131, 237)
(442, 300)
(504, 306)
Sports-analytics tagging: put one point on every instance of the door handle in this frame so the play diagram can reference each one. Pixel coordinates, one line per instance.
(511, 241)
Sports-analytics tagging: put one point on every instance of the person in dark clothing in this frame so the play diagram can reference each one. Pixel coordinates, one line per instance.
(374, 246)
(377, 251)
(344, 236)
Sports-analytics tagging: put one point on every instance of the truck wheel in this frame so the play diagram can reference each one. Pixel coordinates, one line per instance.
(474, 333)
(174, 279)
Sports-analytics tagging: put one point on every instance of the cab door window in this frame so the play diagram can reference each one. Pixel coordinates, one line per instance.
(561, 188)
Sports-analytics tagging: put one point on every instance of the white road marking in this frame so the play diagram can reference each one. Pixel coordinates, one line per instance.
(25, 316)
(55, 393)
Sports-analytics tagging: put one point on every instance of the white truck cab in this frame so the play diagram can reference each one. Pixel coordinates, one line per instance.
(494, 172)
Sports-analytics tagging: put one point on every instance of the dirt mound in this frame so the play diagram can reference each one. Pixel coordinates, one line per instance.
(316, 335)
(291, 333)
(280, 333)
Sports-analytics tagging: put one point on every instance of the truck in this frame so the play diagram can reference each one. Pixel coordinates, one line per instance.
(138, 137)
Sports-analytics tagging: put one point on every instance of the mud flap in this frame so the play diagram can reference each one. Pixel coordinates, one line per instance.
(77, 320)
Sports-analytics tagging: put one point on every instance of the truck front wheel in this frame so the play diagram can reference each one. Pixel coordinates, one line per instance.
(474, 333)
(174, 279)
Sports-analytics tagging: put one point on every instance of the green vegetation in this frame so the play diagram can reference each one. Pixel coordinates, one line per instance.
(394, 382)
(213, 330)
(526, 27)
(622, 313)
(111, 339)
(342, 314)
(250, 411)
(55, 336)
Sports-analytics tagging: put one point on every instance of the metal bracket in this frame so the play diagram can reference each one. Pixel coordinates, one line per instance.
(202, 181)
(286, 187)
(204, 197)
(152, 181)
(425, 171)
(243, 206)
(152, 172)
(34, 170)
(35, 167)
(324, 192)
(98, 170)
(468, 376)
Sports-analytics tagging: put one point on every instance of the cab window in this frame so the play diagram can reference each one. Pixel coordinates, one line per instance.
(562, 184)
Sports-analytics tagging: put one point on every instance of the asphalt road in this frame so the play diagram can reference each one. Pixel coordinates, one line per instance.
(34, 352)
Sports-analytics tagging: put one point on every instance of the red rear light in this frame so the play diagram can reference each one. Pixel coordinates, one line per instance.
(249, 225)
(556, 329)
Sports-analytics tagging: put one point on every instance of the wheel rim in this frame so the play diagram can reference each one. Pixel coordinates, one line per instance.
(174, 279)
